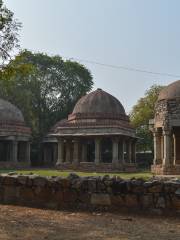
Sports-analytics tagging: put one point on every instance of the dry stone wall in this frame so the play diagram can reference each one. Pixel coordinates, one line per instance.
(91, 193)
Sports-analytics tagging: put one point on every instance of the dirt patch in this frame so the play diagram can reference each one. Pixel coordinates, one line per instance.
(23, 223)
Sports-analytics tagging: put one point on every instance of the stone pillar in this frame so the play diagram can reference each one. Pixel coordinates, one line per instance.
(121, 151)
(162, 148)
(84, 152)
(60, 151)
(76, 152)
(28, 153)
(68, 151)
(97, 151)
(115, 159)
(167, 148)
(174, 148)
(15, 151)
(157, 147)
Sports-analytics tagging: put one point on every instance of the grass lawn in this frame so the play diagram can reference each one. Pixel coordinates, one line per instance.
(50, 172)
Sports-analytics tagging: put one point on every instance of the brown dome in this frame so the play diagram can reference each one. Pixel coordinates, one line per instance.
(172, 91)
(9, 112)
(100, 102)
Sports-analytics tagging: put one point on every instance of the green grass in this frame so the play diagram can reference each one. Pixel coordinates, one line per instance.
(46, 172)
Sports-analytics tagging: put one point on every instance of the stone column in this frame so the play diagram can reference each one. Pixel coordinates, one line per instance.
(28, 153)
(121, 151)
(60, 151)
(15, 151)
(167, 148)
(97, 151)
(115, 159)
(68, 151)
(174, 148)
(157, 147)
(76, 152)
(84, 152)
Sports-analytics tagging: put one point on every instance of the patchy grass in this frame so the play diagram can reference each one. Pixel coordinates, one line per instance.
(50, 172)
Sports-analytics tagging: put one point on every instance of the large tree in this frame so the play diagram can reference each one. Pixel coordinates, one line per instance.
(140, 115)
(9, 28)
(44, 87)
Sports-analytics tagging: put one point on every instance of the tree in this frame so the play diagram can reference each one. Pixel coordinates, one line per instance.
(9, 28)
(44, 87)
(141, 113)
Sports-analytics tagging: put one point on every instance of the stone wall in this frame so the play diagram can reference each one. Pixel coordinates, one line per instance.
(101, 167)
(91, 193)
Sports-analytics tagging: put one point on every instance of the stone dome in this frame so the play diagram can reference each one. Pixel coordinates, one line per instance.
(9, 112)
(99, 102)
(172, 91)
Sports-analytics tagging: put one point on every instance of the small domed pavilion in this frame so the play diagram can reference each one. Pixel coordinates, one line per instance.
(97, 136)
(14, 137)
(166, 131)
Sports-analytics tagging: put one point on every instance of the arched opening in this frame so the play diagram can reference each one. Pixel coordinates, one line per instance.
(90, 151)
(106, 150)
(5, 148)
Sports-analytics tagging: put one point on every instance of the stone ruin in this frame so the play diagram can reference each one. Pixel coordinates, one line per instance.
(91, 193)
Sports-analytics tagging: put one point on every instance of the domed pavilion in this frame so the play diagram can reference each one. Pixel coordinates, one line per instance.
(97, 136)
(14, 137)
(166, 131)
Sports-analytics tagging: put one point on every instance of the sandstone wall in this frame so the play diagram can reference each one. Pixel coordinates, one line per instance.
(90, 193)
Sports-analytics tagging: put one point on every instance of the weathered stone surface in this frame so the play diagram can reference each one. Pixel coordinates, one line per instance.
(76, 184)
(22, 179)
(118, 201)
(154, 186)
(137, 186)
(64, 182)
(178, 192)
(92, 185)
(100, 199)
(176, 202)
(131, 200)
(11, 194)
(147, 200)
(9, 180)
(161, 203)
(89, 192)
(171, 186)
(26, 194)
(70, 196)
(39, 181)
(119, 187)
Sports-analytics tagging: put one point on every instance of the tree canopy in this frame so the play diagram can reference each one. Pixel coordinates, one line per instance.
(140, 115)
(9, 28)
(44, 87)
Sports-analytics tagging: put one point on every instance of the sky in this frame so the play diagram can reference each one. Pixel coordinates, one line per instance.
(143, 34)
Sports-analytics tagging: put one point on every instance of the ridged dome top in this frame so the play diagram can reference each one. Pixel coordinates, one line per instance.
(99, 101)
(172, 91)
(9, 112)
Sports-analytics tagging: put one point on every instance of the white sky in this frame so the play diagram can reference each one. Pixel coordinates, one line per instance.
(138, 34)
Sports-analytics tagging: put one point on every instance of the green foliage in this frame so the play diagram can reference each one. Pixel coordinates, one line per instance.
(9, 28)
(44, 87)
(141, 113)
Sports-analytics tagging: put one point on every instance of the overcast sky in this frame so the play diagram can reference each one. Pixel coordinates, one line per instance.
(142, 34)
